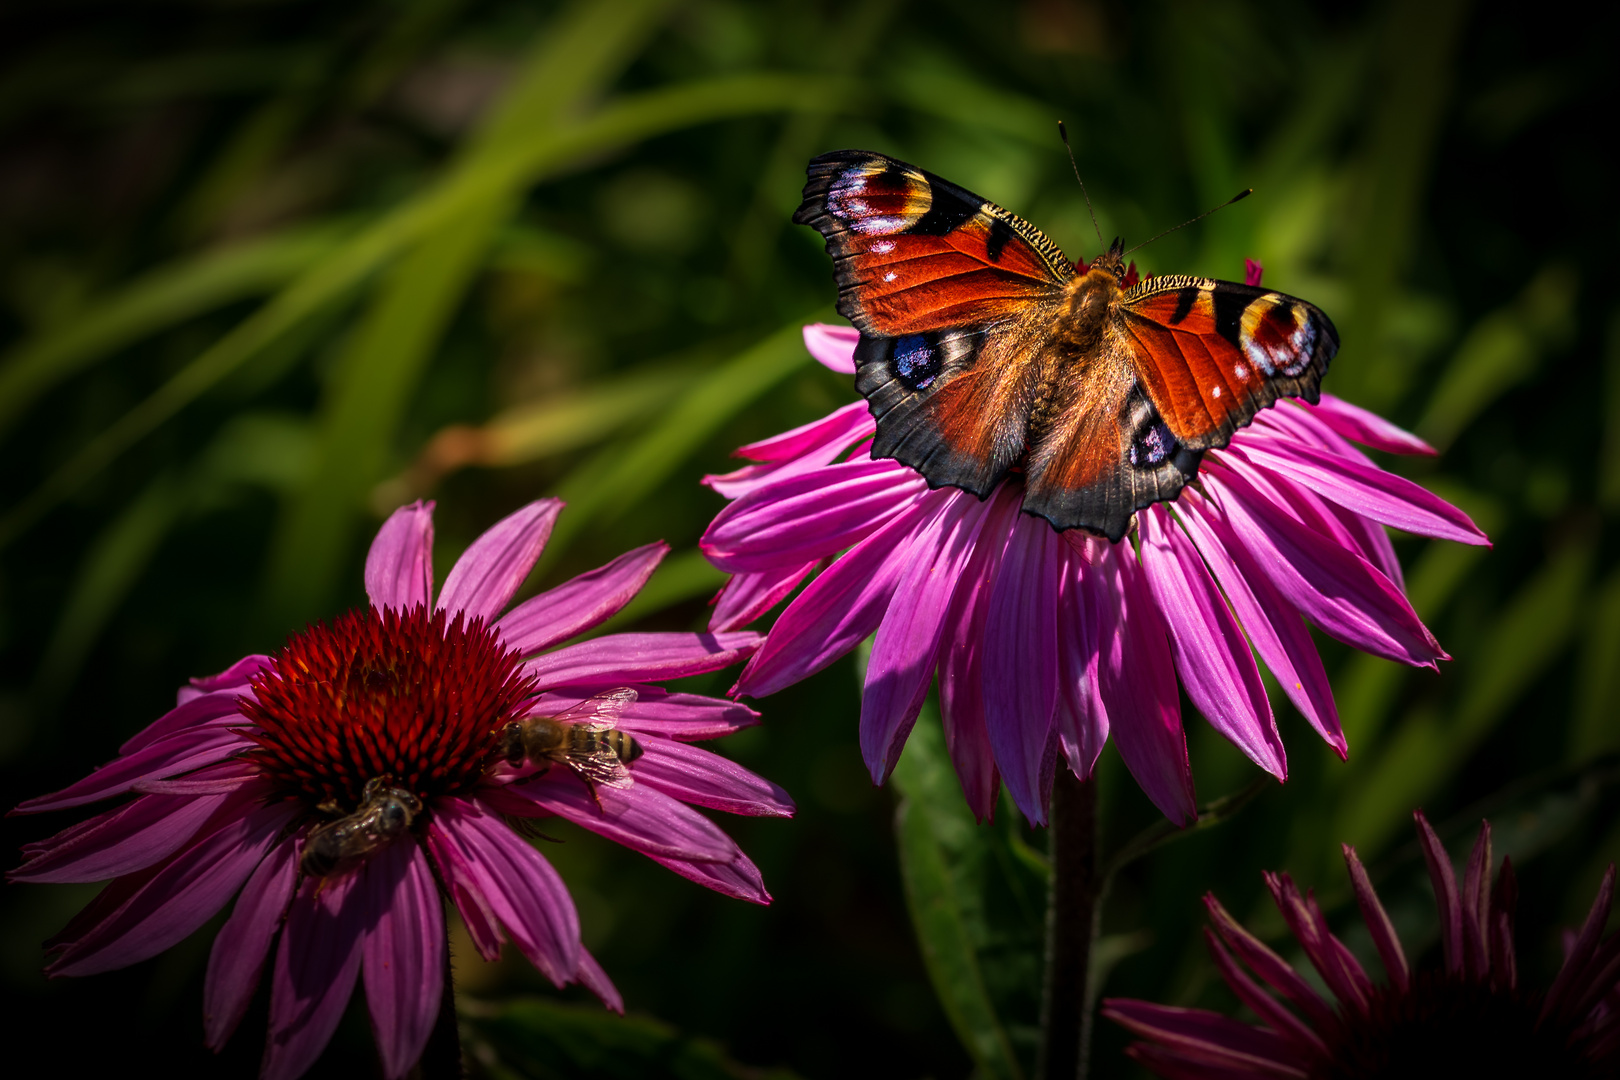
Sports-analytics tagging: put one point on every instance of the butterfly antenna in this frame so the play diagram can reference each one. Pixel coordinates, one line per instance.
(1063, 133)
(1244, 194)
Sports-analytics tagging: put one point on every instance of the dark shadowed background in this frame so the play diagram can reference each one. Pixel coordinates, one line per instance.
(270, 268)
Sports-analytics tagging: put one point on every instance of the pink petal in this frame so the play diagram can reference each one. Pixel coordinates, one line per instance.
(127, 839)
(1210, 1037)
(403, 953)
(1252, 271)
(399, 566)
(697, 776)
(169, 756)
(492, 568)
(482, 860)
(197, 711)
(637, 816)
(833, 346)
(1366, 490)
(1476, 907)
(1366, 428)
(806, 517)
(173, 899)
(748, 596)
(837, 430)
(1137, 680)
(961, 652)
(593, 978)
(658, 712)
(228, 775)
(1210, 652)
(314, 973)
(1021, 662)
(1339, 969)
(1445, 893)
(1272, 624)
(838, 609)
(1269, 966)
(1081, 721)
(235, 677)
(581, 603)
(1338, 590)
(237, 958)
(1271, 1011)
(616, 659)
(907, 645)
(1383, 932)
(739, 878)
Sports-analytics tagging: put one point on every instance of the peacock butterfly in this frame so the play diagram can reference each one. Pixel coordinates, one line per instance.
(983, 350)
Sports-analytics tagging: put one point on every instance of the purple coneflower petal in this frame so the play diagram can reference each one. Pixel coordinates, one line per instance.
(838, 609)
(479, 855)
(833, 346)
(1476, 906)
(1268, 965)
(235, 677)
(1338, 968)
(837, 430)
(215, 709)
(399, 566)
(1367, 491)
(1252, 271)
(121, 841)
(494, 565)
(1567, 984)
(581, 603)
(1082, 719)
(1210, 652)
(961, 656)
(1373, 914)
(704, 779)
(631, 658)
(172, 899)
(227, 775)
(1268, 1008)
(402, 952)
(1445, 893)
(809, 516)
(1208, 1037)
(1137, 680)
(637, 816)
(314, 973)
(1021, 663)
(907, 644)
(593, 978)
(686, 717)
(738, 878)
(237, 958)
(1366, 428)
(1337, 589)
(170, 756)
(748, 596)
(1272, 624)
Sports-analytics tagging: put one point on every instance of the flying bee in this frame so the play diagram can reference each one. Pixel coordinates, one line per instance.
(336, 847)
(581, 737)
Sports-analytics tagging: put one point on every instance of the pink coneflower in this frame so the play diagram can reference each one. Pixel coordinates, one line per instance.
(1047, 643)
(1470, 1018)
(384, 735)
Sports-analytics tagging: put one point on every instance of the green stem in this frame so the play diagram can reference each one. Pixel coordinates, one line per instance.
(1072, 911)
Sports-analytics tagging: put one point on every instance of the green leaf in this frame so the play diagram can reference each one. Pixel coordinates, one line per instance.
(624, 121)
(159, 299)
(977, 904)
(540, 1038)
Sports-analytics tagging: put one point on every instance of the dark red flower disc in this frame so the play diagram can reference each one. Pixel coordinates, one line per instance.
(415, 695)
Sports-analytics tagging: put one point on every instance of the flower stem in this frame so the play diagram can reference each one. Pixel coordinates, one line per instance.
(1071, 927)
(441, 1058)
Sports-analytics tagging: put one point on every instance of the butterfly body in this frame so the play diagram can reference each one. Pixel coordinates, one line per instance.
(984, 350)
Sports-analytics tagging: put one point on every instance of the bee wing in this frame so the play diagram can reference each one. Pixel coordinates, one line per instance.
(600, 710)
(601, 767)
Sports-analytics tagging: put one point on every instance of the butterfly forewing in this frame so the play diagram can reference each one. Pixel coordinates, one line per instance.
(982, 350)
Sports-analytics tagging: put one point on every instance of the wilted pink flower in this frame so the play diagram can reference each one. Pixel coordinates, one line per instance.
(229, 784)
(1470, 1018)
(1047, 643)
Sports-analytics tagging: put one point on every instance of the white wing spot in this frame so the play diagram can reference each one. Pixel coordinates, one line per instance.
(890, 276)
(1240, 371)
(882, 247)
(1215, 392)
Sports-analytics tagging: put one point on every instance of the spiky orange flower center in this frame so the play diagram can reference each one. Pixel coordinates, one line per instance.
(415, 695)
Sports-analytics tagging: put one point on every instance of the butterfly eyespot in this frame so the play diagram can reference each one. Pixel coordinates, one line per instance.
(1153, 444)
(916, 361)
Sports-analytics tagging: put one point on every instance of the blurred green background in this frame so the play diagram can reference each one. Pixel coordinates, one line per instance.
(269, 268)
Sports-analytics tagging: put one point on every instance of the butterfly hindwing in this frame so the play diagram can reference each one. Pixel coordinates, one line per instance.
(1211, 354)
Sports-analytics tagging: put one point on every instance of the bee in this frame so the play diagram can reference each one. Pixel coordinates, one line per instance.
(336, 847)
(581, 737)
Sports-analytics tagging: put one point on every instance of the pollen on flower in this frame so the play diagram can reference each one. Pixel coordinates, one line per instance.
(417, 695)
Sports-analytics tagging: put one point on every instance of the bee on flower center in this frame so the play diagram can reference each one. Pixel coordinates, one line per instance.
(582, 738)
(335, 847)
